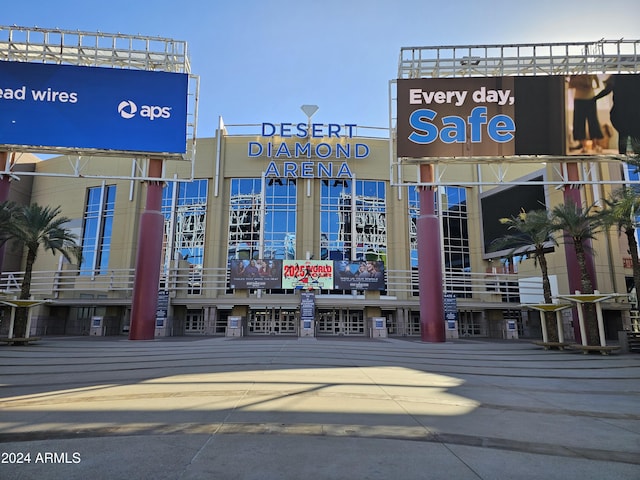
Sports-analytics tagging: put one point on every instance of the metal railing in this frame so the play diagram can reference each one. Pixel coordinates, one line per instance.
(212, 282)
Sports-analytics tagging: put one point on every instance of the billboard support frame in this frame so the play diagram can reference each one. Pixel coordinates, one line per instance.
(484, 61)
(106, 50)
(537, 59)
(20, 45)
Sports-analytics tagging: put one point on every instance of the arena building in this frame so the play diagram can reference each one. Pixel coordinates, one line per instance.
(336, 210)
(291, 227)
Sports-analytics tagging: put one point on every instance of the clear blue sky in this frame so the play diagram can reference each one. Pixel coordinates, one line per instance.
(260, 60)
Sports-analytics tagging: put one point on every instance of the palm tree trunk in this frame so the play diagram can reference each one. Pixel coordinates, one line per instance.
(22, 313)
(635, 261)
(590, 318)
(549, 317)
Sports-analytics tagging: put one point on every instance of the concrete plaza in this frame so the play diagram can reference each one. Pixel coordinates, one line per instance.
(307, 408)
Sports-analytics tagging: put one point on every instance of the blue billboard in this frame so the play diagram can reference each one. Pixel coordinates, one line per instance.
(104, 109)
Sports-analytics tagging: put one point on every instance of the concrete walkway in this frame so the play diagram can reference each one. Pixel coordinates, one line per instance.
(314, 409)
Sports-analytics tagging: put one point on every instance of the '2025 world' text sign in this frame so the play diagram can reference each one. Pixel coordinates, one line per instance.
(104, 109)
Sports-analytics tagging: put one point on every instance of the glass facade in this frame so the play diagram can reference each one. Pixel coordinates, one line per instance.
(97, 229)
(455, 228)
(262, 219)
(353, 230)
(336, 219)
(184, 206)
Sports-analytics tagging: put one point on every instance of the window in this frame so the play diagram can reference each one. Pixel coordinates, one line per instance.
(370, 221)
(457, 253)
(336, 213)
(184, 206)
(633, 174)
(97, 229)
(353, 223)
(262, 218)
(280, 219)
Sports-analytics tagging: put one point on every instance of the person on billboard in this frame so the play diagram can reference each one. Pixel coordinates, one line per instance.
(263, 269)
(625, 111)
(252, 269)
(362, 271)
(373, 271)
(239, 268)
(585, 112)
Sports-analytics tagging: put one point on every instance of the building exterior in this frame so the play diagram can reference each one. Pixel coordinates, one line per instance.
(313, 198)
(309, 229)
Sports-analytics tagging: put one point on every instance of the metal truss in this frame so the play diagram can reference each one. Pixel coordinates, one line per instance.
(98, 49)
(602, 56)
(33, 44)
(540, 59)
(502, 171)
(85, 165)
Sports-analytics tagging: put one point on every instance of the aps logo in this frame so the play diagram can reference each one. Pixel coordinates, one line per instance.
(128, 109)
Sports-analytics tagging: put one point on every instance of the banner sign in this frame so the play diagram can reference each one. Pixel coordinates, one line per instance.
(450, 308)
(451, 117)
(529, 115)
(162, 310)
(96, 108)
(307, 274)
(307, 307)
(247, 274)
(362, 275)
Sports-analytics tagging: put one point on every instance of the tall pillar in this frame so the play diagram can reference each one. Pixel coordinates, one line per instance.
(148, 258)
(429, 263)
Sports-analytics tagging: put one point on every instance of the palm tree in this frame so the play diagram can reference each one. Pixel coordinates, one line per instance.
(581, 225)
(537, 229)
(7, 211)
(36, 226)
(622, 210)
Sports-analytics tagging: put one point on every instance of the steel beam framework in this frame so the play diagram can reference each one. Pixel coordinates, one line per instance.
(602, 56)
(96, 49)
(541, 59)
(109, 50)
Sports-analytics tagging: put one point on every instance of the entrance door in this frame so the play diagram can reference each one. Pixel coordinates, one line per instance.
(341, 322)
(194, 324)
(354, 322)
(272, 321)
(285, 321)
(470, 324)
(260, 322)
